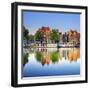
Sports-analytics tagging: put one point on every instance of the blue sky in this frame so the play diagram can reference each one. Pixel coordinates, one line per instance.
(61, 21)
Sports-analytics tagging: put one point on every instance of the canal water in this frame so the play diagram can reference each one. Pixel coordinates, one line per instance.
(50, 62)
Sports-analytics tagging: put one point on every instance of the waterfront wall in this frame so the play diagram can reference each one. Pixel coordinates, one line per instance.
(47, 45)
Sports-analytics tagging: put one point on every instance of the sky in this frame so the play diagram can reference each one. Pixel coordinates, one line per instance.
(62, 21)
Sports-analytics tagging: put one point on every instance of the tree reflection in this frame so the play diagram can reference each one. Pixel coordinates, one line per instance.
(54, 56)
(39, 56)
(45, 57)
(25, 58)
(42, 56)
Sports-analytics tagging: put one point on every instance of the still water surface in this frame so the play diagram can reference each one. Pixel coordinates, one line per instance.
(51, 62)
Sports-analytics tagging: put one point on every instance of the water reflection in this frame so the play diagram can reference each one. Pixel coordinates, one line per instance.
(25, 58)
(50, 56)
(44, 56)
(54, 56)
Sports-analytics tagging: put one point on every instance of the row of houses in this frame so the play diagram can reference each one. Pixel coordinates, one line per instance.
(71, 36)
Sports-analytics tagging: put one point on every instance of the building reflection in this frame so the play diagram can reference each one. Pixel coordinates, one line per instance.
(46, 57)
(43, 56)
(74, 54)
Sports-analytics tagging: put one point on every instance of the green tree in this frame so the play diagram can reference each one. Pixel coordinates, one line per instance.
(31, 37)
(26, 35)
(38, 36)
(25, 32)
(54, 36)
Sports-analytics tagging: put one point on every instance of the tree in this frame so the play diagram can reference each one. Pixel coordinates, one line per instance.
(38, 36)
(31, 38)
(26, 35)
(54, 36)
(25, 32)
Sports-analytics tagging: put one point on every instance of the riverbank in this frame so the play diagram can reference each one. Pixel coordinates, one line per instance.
(52, 46)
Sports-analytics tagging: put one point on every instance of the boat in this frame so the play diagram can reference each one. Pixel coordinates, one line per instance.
(67, 45)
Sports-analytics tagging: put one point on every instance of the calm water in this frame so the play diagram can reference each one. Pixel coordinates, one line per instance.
(51, 62)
